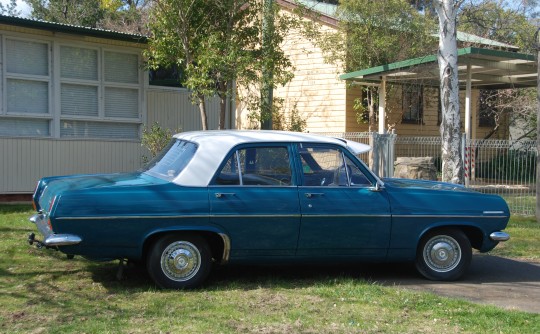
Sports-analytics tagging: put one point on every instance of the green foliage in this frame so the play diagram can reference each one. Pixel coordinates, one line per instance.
(155, 139)
(287, 121)
(9, 8)
(86, 13)
(215, 43)
(373, 33)
(502, 21)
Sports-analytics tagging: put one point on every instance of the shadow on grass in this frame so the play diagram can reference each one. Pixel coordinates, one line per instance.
(484, 269)
(15, 208)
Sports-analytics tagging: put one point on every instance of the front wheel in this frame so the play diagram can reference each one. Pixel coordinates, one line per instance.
(443, 255)
(179, 261)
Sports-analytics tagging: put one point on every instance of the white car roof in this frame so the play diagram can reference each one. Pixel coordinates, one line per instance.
(213, 147)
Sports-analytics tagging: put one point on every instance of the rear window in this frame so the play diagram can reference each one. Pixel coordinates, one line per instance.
(172, 160)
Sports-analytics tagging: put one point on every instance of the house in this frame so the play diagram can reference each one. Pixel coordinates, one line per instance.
(75, 100)
(326, 102)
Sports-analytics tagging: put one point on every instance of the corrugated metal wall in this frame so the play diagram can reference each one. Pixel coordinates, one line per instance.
(25, 160)
(173, 109)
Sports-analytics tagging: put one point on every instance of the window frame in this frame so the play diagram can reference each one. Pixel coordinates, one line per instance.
(5, 76)
(345, 155)
(117, 128)
(409, 93)
(233, 152)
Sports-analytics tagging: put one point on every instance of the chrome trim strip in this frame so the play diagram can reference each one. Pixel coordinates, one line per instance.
(446, 216)
(226, 248)
(62, 240)
(129, 217)
(493, 212)
(499, 236)
(275, 216)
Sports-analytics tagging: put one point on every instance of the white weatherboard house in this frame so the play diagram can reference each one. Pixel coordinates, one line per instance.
(75, 100)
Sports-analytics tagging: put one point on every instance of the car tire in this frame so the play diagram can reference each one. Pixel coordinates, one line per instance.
(179, 261)
(443, 255)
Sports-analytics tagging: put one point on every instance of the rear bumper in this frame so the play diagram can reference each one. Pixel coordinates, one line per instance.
(52, 239)
(499, 236)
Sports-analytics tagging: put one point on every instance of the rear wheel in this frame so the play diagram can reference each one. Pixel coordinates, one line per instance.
(179, 261)
(443, 255)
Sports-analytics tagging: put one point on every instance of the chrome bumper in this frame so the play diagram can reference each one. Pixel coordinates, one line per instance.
(52, 239)
(499, 236)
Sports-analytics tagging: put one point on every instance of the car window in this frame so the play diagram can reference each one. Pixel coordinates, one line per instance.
(329, 166)
(261, 166)
(172, 160)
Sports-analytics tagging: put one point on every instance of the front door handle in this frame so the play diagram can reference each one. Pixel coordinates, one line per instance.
(310, 195)
(220, 195)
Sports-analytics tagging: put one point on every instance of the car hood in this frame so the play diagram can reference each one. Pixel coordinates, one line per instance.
(424, 184)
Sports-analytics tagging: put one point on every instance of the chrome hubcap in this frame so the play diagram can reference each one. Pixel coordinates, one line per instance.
(180, 261)
(442, 253)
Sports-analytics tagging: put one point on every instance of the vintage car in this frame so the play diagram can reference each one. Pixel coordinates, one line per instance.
(219, 197)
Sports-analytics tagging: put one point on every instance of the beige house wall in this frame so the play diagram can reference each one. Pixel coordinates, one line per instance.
(315, 91)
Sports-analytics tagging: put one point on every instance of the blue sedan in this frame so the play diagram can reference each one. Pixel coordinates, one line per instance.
(264, 197)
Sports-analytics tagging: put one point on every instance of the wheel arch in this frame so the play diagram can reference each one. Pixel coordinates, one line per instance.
(217, 240)
(473, 233)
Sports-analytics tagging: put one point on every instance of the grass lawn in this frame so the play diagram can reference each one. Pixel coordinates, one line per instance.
(44, 292)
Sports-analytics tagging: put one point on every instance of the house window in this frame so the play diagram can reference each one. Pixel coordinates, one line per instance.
(412, 104)
(83, 87)
(97, 92)
(26, 88)
(487, 108)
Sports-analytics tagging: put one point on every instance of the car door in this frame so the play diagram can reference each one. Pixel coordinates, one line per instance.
(343, 213)
(254, 197)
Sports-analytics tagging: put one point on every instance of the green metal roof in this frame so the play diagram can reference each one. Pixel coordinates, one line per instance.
(72, 29)
(489, 68)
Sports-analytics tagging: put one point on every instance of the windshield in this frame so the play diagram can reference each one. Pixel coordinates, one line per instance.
(172, 160)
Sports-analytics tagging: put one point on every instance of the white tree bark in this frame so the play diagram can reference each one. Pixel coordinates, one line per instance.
(452, 164)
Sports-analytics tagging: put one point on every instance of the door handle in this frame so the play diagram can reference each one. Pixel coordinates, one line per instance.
(220, 195)
(310, 195)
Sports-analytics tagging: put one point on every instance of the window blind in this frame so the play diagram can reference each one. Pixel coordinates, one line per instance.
(88, 129)
(24, 57)
(78, 63)
(27, 96)
(121, 102)
(121, 67)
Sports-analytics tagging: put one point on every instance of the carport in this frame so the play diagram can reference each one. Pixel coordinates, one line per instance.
(477, 68)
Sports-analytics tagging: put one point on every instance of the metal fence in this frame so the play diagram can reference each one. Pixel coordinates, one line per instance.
(503, 167)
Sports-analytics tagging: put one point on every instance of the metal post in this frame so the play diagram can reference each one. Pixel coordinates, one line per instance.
(382, 105)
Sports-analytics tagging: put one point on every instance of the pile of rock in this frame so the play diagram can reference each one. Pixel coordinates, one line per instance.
(415, 168)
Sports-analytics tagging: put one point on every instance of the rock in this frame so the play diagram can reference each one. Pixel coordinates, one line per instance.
(415, 168)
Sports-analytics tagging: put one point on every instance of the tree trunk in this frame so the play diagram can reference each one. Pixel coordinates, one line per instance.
(538, 132)
(223, 88)
(202, 110)
(452, 164)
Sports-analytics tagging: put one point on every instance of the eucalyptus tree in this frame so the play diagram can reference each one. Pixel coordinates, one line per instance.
(447, 57)
(214, 43)
(86, 13)
(10, 8)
